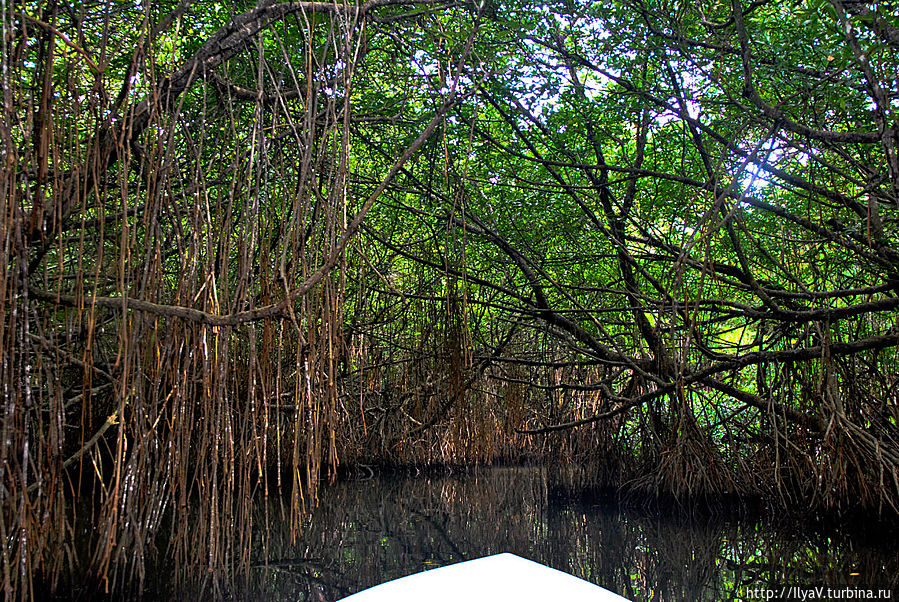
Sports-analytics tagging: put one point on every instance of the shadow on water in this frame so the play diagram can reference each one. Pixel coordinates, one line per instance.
(365, 532)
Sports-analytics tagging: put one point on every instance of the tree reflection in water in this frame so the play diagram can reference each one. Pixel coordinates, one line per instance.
(369, 531)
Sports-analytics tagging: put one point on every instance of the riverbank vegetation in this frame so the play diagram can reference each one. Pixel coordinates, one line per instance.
(652, 244)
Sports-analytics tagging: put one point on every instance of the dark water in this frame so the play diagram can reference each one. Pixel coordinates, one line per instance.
(371, 530)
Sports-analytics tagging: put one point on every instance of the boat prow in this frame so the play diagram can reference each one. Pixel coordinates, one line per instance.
(499, 578)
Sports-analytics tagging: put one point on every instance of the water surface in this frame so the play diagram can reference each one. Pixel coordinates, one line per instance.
(370, 530)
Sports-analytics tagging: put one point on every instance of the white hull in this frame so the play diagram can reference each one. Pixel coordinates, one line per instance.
(499, 578)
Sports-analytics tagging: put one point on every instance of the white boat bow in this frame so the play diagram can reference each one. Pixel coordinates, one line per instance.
(499, 578)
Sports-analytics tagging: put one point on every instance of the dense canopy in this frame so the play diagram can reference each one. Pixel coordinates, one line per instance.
(654, 243)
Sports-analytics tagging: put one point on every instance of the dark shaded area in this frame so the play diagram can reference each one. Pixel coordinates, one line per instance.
(370, 530)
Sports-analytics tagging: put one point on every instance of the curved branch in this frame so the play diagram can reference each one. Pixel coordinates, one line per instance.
(706, 377)
(780, 117)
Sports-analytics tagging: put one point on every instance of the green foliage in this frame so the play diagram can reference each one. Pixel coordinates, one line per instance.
(661, 236)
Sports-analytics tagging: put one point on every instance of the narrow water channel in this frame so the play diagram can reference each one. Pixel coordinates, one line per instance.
(370, 530)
